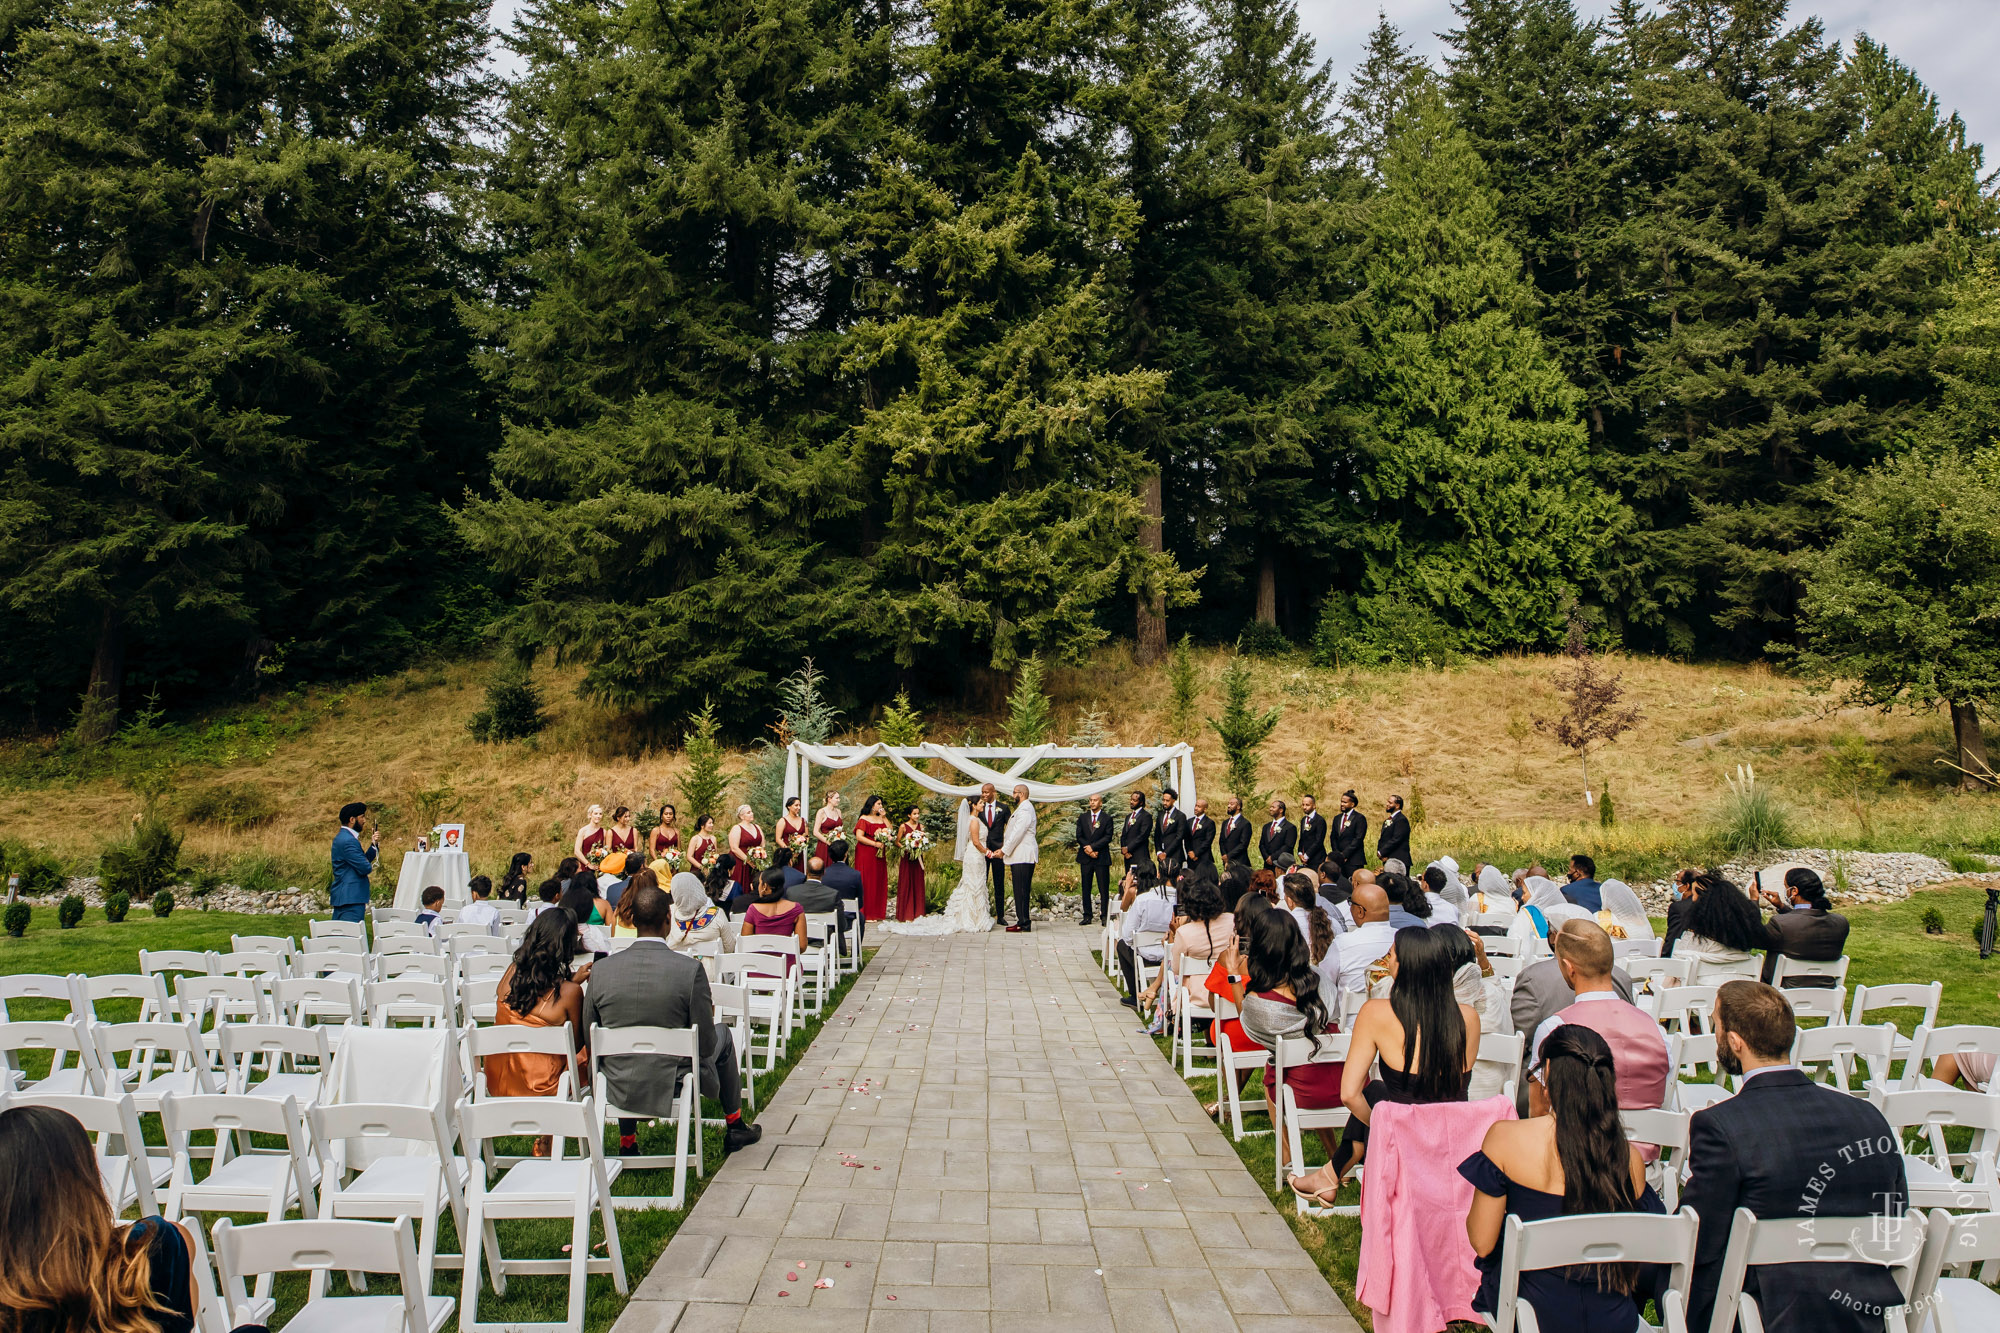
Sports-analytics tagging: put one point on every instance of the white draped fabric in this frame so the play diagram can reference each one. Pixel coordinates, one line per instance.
(1177, 759)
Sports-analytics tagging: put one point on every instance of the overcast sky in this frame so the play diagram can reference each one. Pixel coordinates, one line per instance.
(1952, 44)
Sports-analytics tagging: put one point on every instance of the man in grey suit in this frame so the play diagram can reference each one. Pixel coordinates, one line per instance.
(1540, 993)
(650, 985)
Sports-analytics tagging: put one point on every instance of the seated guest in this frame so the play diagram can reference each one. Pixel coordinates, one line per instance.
(547, 895)
(1540, 989)
(1206, 931)
(592, 914)
(781, 859)
(1407, 904)
(1317, 926)
(845, 881)
(1426, 1041)
(1148, 907)
(1724, 928)
(1544, 910)
(1803, 926)
(1491, 893)
(646, 987)
(697, 919)
(432, 906)
(1571, 1158)
(771, 913)
(1266, 882)
(611, 876)
(514, 884)
(1637, 1042)
(1582, 889)
(622, 924)
(538, 990)
(1785, 1146)
(812, 892)
(1271, 980)
(65, 1262)
(1371, 938)
(480, 911)
(1623, 915)
(1444, 893)
(1473, 982)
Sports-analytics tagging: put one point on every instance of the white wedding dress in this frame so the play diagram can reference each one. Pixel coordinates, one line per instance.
(969, 910)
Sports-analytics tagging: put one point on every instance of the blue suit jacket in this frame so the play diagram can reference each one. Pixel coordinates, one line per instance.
(1585, 893)
(843, 879)
(352, 864)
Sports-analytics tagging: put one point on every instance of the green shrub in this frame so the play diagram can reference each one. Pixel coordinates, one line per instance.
(69, 911)
(116, 905)
(1607, 815)
(1752, 818)
(1261, 640)
(230, 805)
(1968, 863)
(1933, 921)
(15, 919)
(41, 874)
(259, 874)
(163, 903)
(145, 865)
(1390, 628)
(514, 708)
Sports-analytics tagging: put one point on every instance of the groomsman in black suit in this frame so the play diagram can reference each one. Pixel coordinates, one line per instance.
(1235, 836)
(1135, 839)
(1312, 834)
(1200, 841)
(1279, 836)
(1394, 842)
(1170, 833)
(1350, 836)
(1093, 856)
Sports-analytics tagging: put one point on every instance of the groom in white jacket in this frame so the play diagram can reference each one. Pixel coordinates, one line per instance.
(1020, 850)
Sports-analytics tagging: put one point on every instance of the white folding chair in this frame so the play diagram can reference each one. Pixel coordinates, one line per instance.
(72, 1057)
(282, 945)
(1714, 971)
(479, 1000)
(1292, 1119)
(651, 1043)
(150, 991)
(1893, 1243)
(387, 915)
(417, 943)
(129, 1174)
(396, 965)
(1597, 1238)
(1949, 1292)
(512, 1039)
(1791, 969)
(465, 948)
(171, 965)
(1669, 1132)
(263, 1249)
(1624, 949)
(1929, 1044)
(316, 929)
(1505, 967)
(35, 986)
(221, 999)
(1656, 974)
(820, 961)
(732, 1010)
(239, 1180)
(1696, 1050)
(340, 956)
(1474, 920)
(253, 964)
(301, 1001)
(1187, 1012)
(296, 1062)
(551, 1187)
(1828, 1006)
(769, 988)
(1925, 997)
(1938, 1178)
(451, 930)
(785, 947)
(1500, 1052)
(1231, 1064)
(475, 965)
(413, 998)
(383, 1161)
(1680, 1006)
(160, 1059)
(1839, 1047)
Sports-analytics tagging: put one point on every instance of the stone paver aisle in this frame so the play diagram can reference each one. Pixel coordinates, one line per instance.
(981, 1140)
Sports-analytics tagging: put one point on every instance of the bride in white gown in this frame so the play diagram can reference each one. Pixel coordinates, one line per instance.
(968, 910)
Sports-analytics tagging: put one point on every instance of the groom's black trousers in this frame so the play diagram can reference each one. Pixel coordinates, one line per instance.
(996, 871)
(1099, 870)
(1024, 879)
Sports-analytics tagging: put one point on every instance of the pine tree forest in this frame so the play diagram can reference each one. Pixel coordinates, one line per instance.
(925, 338)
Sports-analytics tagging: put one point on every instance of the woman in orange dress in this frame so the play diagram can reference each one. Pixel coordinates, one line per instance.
(701, 847)
(827, 824)
(621, 836)
(538, 990)
(667, 833)
(744, 839)
(791, 828)
(870, 829)
(911, 893)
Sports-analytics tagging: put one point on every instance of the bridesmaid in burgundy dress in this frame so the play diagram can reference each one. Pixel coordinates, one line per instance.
(742, 838)
(621, 836)
(869, 829)
(701, 847)
(667, 833)
(911, 902)
(827, 824)
(589, 845)
(792, 826)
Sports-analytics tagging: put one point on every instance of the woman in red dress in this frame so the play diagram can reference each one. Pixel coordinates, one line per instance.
(622, 836)
(826, 825)
(743, 838)
(667, 833)
(869, 830)
(589, 846)
(701, 847)
(911, 902)
(792, 827)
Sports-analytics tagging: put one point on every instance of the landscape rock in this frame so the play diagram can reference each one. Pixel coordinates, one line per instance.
(226, 898)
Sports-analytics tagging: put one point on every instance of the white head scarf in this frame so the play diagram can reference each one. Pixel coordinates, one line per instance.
(1453, 891)
(1544, 893)
(1626, 909)
(1499, 893)
(690, 898)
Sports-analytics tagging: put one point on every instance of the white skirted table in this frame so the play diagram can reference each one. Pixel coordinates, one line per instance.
(450, 871)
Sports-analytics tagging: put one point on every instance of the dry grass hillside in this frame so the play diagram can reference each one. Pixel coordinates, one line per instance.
(1464, 739)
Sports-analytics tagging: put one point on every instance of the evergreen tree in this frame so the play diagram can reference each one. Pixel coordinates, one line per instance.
(1474, 497)
(1389, 76)
(237, 376)
(1242, 731)
(901, 724)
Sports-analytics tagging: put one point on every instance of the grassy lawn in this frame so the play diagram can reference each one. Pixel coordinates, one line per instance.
(1887, 944)
(643, 1234)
